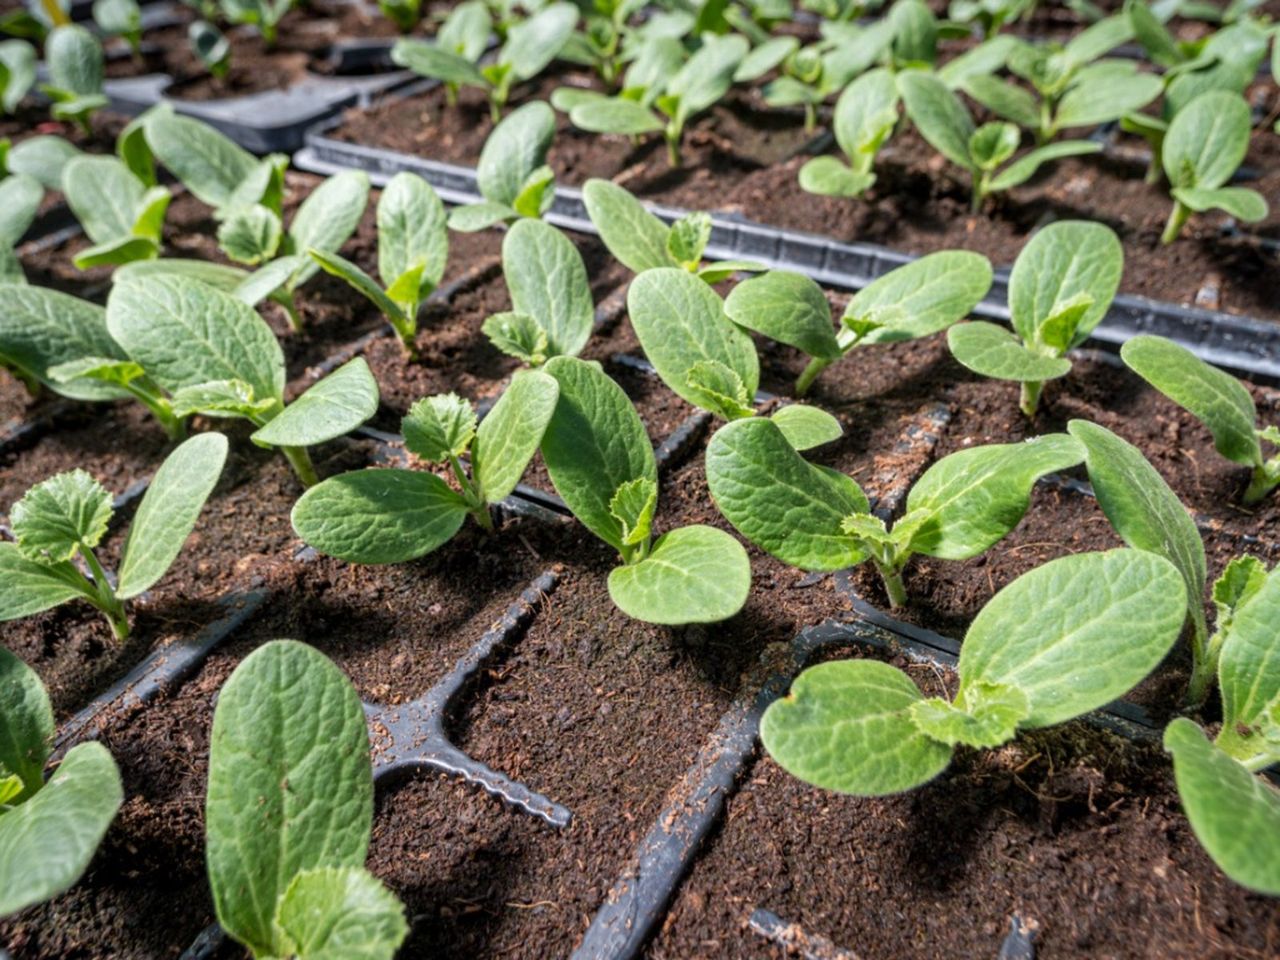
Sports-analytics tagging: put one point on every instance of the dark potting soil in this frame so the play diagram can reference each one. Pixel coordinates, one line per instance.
(1074, 829)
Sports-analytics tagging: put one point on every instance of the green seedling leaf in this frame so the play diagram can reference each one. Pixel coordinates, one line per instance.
(437, 428)
(250, 235)
(334, 913)
(411, 233)
(615, 115)
(169, 511)
(1249, 667)
(1235, 815)
(289, 732)
(222, 398)
(806, 427)
(475, 217)
(1005, 100)
(533, 43)
(787, 307)
(847, 726)
(26, 735)
(938, 114)
(548, 282)
(208, 163)
(537, 193)
(59, 517)
(515, 149)
(694, 574)
(43, 157)
(995, 352)
(865, 116)
(1051, 633)
(362, 283)
(47, 842)
(30, 587)
(518, 335)
(632, 506)
(510, 435)
(779, 501)
(379, 516)
(993, 143)
(223, 276)
(20, 199)
(926, 296)
(688, 238)
(989, 718)
(327, 219)
(680, 322)
(75, 61)
(1061, 262)
(1207, 140)
(593, 445)
(18, 59)
(333, 407)
(432, 60)
(829, 177)
(1025, 167)
(1240, 202)
(633, 235)
(719, 390)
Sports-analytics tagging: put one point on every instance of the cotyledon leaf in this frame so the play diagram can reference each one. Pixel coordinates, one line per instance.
(26, 733)
(327, 218)
(336, 405)
(28, 587)
(932, 293)
(846, 726)
(787, 307)
(515, 148)
(1249, 670)
(208, 163)
(1062, 261)
(509, 436)
(41, 328)
(411, 228)
(548, 281)
(993, 351)
(633, 235)
(169, 511)
(694, 574)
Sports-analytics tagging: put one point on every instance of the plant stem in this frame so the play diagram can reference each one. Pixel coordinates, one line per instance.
(1204, 657)
(893, 584)
(110, 605)
(300, 460)
(291, 311)
(1029, 400)
(1260, 484)
(810, 117)
(1178, 217)
(673, 149)
(809, 374)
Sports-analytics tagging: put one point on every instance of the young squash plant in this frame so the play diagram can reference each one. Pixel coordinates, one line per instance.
(817, 519)
(413, 247)
(395, 515)
(1058, 642)
(122, 215)
(49, 831)
(602, 465)
(264, 16)
(865, 117)
(1205, 145)
(603, 42)
(916, 300)
(512, 174)
(1061, 287)
(463, 36)
(1216, 399)
(530, 46)
(287, 869)
(75, 62)
(551, 311)
(213, 355)
(65, 517)
(640, 241)
(120, 18)
(945, 122)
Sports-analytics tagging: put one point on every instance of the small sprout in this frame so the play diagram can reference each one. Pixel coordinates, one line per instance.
(287, 828)
(1061, 287)
(1205, 145)
(602, 465)
(990, 15)
(65, 517)
(49, 831)
(122, 215)
(75, 64)
(912, 301)
(211, 48)
(413, 246)
(1058, 642)
(263, 15)
(640, 241)
(395, 515)
(454, 57)
(946, 124)
(120, 18)
(512, 175)
(865, 117)
(816, 519)
(602, 43)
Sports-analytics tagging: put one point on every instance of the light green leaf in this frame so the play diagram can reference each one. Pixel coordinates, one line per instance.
(537, 193)
(1060, 262)
(1102, 98)
(436, 428)
(829, 177)
(533, 43)
(335, 406)
(938, 114)
(920, 298)
(787, 307)
(169, 511)
(75, 60)
(719, 390)
(327, 218)
(250, 235)
(20, 199)
(1214, 397)
(379, 516)
(26, 733)
(30, 587)
(118, 251)
(1249, 670)
(846, 726)
(221, 398)
(340, 914)
(989, 717)
(633, 235)
(548, 282)
(518, 335)
(1052, 632)
(594, 444)
(680, 321)
(338, 266)
(474, 217)
(1005, 100)
(290, 784)
(208, 163)
(779, 501)
(615, 115)
(632, 506)
(993, 351)
(19, 60)
(516, 147)
(432, 60)
(411, 230)
(1235, 815)
(1207, 140)
(993, 143)
(59, 516)
(694, 574)
(1240, 202)
(43, 157)
(510, 435)
(806, 427)
(1024, 168)
(223, 276)
(47, 842)
(104, 195)
(688, 239)
(865, 115)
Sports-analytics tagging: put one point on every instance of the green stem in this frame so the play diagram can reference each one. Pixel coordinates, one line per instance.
(110, 605)
(979, 192)
(810, 117)
(1259, 763)
(175, 428)
(291, 311)
(1204, 657)
(810, 374)
(673, 148)
(1029, 399)
(300, 460)
(1178, 217)
(1260, 484)
(893, 584)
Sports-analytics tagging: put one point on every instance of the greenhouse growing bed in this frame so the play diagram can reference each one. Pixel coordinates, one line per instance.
(675, 480)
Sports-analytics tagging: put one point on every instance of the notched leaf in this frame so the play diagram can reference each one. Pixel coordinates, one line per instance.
(439, 427)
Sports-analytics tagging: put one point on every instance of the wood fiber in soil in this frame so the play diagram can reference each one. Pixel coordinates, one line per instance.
(1075, 828)
(395, 630)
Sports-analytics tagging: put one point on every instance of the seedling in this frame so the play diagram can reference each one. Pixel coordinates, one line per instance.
(602, 465)
(640, 241)
(413, 246)
(289, 812)
(405, 14)
(670, 102)
(601, 43)
(48, 831)
(215, 356)
(122, 215)
(817, 519)
(74, 59)
(947, 126)
(865, 117)
(1061, 287)
(263, 15)
(120, 18)
(841, 11)
(1044, 650)
(463, 36)
(529, 47)
(17, 72)
(551, 309)
(911, 301)
(1205, 145)
(989, 15)
(512, 175)
(211, 48)
(1234, 813)
(62, 519)
(1072, 87)
(1216, 399)
(394, 515)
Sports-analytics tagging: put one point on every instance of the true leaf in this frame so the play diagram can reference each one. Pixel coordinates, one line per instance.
(633, 506)
(250, 235)
(340, 914)
(439, 427)
(989, 717)
(59, 516)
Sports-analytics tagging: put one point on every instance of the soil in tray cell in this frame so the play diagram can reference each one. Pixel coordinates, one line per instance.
(1075, 829)
(395, 630)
